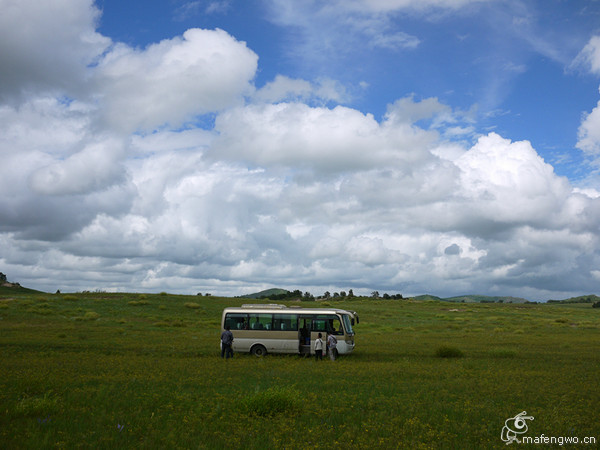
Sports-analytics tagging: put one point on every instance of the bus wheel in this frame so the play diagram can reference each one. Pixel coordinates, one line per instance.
(258, 350)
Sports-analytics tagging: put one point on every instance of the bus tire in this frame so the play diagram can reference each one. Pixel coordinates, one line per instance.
(258, 350)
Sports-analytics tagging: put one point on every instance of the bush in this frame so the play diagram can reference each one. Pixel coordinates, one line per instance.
(448, 352)
(138, 302)
(275, 400)
(192, 305)
(36, 406)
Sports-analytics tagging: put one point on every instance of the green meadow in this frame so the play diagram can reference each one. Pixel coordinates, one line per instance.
(97, 370)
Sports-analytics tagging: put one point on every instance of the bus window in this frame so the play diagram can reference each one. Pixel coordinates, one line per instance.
(334, 326)
(285, 322)
(237, 321)
(329, 324)
(260, 321)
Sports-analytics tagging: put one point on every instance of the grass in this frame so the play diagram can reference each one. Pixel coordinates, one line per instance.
(95, 370)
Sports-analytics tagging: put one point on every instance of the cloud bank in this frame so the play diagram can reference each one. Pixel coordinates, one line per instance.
(165, 168)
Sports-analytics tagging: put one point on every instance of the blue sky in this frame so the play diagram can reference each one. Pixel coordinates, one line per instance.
(433, 146)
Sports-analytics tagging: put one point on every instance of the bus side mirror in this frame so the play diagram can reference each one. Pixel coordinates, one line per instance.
(352, 322)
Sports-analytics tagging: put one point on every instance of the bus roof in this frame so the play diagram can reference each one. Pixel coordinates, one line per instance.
(283, 309)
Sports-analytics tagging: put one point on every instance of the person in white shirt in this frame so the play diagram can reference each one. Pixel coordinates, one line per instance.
(319, 347)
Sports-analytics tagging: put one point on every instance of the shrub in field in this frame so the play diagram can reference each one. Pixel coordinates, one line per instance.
(91, 315)
(138, 302)
(41, 308)
(192, 305)
(448, 352)
(36, 406)
(71, 298)
(275, 400)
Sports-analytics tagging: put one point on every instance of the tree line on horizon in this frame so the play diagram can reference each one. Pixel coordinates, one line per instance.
(307, 296)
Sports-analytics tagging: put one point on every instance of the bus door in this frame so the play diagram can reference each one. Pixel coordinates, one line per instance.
(327, 324)
(304, 334)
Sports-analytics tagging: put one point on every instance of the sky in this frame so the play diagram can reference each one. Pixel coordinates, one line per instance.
(446, 147)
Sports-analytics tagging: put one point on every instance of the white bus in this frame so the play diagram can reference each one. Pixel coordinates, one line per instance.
(262, 329)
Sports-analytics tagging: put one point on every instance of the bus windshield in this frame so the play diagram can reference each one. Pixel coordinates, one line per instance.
(347, 323)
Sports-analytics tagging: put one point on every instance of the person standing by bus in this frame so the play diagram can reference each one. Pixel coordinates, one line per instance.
(331, 343)
(319, 348)
(226, 343)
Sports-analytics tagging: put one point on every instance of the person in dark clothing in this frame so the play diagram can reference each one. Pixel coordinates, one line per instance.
(226, 343)
(332, 344)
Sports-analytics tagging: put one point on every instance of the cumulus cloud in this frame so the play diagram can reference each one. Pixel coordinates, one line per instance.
(201, 72)
(47, 46)
(510, 183)
(317, 138)
(49, 188)
(86, 171)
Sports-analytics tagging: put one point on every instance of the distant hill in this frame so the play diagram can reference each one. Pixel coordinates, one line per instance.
(16, 288)
(473, 299)
(485, 299)
(8, 288)
(426, 297)
(580, 299)
(266, 293)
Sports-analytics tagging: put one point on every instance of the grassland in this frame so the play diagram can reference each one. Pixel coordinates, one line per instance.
(143, 371)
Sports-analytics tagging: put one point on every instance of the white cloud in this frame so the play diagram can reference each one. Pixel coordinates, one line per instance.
(589, 57)
(399, 5)
(509, 182)
(86, 171)
(589, 132)
(406, 110)
(202, 72)
(331, 140)
(47, 46)
(326, 33)
(49, 188)
(283, 88)
(589, 129)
